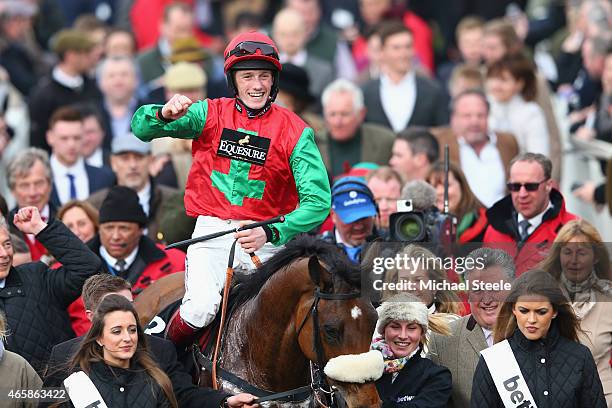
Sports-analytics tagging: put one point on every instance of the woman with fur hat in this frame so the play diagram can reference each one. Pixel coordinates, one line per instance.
(409, 380)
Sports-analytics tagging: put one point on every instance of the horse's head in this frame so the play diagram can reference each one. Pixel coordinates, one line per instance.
(335, 320)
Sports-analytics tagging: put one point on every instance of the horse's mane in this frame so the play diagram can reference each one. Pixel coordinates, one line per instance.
(302, 246)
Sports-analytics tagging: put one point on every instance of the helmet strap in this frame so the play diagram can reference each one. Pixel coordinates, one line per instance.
(251, 113)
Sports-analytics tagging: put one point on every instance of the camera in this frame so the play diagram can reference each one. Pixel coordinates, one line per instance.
(431, 225)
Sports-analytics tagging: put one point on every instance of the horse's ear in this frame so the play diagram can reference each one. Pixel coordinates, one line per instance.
(318, 274)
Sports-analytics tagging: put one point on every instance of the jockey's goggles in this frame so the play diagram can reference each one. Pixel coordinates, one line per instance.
(250, 48)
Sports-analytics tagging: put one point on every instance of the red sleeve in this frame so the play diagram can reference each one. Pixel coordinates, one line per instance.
(423, 39)
(78, 319)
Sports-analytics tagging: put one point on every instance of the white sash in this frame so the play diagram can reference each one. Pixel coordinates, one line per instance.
(82, 391)
(506, 373)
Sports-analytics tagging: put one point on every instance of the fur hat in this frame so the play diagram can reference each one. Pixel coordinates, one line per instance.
(403, 306)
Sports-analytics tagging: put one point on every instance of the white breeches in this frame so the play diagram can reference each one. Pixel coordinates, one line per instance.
(206, 266)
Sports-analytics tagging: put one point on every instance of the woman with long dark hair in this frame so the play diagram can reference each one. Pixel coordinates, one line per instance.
(116, 364)
(537, 356)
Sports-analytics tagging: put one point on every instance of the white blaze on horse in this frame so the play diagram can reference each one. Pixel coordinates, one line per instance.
(302, 308)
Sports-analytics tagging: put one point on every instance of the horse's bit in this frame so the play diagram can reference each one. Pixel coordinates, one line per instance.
(318, 383)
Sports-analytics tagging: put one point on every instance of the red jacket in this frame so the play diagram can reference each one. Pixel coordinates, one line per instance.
(279, 128)
(503, 231)
(157, 263)
(145, 18)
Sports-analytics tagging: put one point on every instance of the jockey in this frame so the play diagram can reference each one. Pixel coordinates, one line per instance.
(252, 160)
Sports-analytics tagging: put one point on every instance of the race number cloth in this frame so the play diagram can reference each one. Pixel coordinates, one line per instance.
(82, 391)
(507, 376)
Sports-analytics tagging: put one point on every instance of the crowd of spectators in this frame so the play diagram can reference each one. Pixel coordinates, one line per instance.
(389, 87)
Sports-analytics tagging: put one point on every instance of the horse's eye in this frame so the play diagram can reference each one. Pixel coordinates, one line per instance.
(331, 333)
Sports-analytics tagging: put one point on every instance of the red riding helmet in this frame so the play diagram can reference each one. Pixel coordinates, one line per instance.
(252, 50)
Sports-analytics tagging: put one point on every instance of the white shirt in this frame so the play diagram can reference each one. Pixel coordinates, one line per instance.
(96, 159)
(62, 182)
(339, 239)
(69, 81)
(298, 59)
(485, 173)
(535, 221)
(144, 198)
(398, 100)
(488, 336)
(129, 260)
(2, 283)
(525, 120)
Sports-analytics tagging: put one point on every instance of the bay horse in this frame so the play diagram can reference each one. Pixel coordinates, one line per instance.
(301, 306)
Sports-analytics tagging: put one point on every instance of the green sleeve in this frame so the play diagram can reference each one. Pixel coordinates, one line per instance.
(147, 126)
(313, 190)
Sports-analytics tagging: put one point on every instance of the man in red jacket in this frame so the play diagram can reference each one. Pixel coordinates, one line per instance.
(525, 222)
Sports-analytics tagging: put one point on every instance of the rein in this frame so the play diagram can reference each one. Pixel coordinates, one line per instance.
(318, 379)
(317, 387)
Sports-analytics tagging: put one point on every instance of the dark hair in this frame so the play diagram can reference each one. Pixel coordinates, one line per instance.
(65, 114)
(389, 28)
(88, 110)
(100, 285)
(539, 158)
(3, 206)
(247, 19)
(468, 201)
(90, 351)
(537, 282)
(521, 69)
(421, 141)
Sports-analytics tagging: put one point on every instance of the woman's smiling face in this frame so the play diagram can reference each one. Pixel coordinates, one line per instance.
(403, 337)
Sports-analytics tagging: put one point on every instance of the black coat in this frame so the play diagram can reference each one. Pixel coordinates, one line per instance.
(562, 368)
(163, 353)
(125, 388)
(49, 95)
(420, 384)
(35, 297)
(430, 108)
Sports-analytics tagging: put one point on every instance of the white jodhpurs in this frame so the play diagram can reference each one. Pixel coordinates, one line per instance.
(206, 266)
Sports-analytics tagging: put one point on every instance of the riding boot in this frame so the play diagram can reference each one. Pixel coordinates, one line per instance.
(179, 331)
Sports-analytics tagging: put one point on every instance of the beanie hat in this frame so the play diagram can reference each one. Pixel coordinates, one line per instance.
(122, 204)
(403, 306)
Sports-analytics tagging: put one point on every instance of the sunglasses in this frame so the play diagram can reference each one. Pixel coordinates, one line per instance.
(516, 187)
(251, 47)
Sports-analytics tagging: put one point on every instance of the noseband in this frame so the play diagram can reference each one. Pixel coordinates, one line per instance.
(323, 393)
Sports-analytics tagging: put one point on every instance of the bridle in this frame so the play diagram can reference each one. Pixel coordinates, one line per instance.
(323, 394)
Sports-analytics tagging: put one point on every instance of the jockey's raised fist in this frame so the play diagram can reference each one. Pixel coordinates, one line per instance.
(176, 107)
